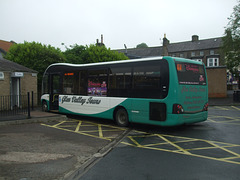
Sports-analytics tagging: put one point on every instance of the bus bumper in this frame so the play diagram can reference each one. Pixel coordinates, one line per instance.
(180, 119)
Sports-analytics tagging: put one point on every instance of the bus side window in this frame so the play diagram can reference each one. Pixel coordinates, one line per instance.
(119, 82)
(83, 83)
(146, 80)
(97, 82)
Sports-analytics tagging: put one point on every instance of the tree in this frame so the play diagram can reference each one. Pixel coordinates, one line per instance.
(142, 45)
(75, 54)
(231, 41)
(92, 54)
(35, 56)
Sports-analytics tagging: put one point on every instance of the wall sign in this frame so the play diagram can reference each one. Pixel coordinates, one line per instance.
(17, 74)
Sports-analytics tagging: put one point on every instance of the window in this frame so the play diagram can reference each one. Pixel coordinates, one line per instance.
(211, 52)
(211, 62)
(181, 55)
(199, 60)
(119, 81)
(139, 80)
(150, 80)
(45, 89)
(190, 74)
(201, 53)
(97, 83)
(70, 82)
(56, 88)
(193, 54)
(1, 76)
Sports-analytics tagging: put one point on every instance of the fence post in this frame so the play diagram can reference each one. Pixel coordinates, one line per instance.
(32, 101)
(28, 94)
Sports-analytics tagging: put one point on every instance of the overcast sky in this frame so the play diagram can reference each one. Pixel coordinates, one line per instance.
(129, 22)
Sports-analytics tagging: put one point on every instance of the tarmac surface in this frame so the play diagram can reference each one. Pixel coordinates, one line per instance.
(35, 148)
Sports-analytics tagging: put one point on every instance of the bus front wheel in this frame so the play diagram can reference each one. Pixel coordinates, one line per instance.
(121, 117)
(44, 106)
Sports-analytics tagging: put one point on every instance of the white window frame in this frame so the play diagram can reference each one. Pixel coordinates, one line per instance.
(213, 62)
(193, 54)
(211, 52)
(201, 53)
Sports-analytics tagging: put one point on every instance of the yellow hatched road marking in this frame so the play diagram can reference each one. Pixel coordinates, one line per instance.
(178, 147)
(222, 108)
(134, 141)
(78, 126)
(224, 149)
(235, 108)
(212, 145)
(100, 131)
(59, 124)
(106, 138)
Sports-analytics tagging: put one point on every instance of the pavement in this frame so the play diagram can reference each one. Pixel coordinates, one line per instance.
(228, 101)
(36, 148)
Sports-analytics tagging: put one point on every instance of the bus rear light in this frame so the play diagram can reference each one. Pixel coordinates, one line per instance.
(205, 108)
(177, 109)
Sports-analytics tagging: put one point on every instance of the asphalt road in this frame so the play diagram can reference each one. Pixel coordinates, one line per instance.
(51, 150)
(207, 150)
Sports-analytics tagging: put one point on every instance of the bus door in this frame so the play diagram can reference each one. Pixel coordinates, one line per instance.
(55, 90)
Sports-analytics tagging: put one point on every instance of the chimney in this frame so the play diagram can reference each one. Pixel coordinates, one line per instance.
(101, 39)
(165, 44)
(195, 38)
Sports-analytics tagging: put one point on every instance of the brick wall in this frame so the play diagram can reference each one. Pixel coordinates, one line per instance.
(217, 82)
(5, 84)
(29, 84)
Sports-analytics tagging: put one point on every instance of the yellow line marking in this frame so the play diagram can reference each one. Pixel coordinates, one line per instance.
(222, 108)
(178, 147)
(78, 126)
(100, 131)
(110, 130)
(224, 149)
(234, 157)
(134, 141)
(105, 138)
(210, 120)
(214, 145)
(59, 124)
(235, 108)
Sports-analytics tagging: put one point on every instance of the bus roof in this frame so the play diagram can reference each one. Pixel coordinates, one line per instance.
(126, 61)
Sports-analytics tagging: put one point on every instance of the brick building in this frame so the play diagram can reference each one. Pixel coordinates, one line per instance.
(16, 80)
(207, 51)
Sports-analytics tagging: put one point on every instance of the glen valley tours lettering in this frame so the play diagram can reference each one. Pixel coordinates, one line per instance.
(79, 99)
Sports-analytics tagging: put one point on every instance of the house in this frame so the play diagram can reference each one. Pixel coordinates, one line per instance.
(207, 51)
(15, 79)
(5, 46)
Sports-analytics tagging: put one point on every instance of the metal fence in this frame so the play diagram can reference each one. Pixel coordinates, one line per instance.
(13, 105)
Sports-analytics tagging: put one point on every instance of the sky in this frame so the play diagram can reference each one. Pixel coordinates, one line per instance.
(129, 22)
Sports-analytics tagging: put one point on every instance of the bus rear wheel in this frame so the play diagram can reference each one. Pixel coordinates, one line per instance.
(121, 117)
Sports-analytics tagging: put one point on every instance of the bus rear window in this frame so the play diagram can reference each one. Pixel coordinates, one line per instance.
(190, 74)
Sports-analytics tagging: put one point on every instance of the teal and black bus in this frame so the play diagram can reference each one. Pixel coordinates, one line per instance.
(165, 91)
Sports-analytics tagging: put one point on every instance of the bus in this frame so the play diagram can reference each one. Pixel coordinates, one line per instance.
(165, 91)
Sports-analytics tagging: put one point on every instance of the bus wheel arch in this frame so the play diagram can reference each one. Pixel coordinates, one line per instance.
(44, 106)
(120, 116)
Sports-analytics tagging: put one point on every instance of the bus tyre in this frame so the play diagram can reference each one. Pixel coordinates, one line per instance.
(121, 118)
(44, 106)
